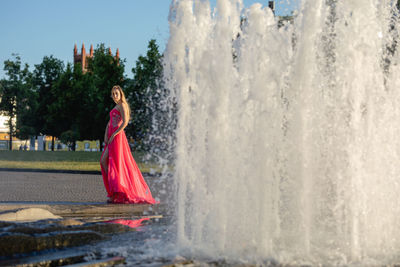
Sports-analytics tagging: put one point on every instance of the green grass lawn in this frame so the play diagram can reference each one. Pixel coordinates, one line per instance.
(61, 160)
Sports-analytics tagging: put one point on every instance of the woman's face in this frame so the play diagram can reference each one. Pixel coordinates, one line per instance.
(116, 95)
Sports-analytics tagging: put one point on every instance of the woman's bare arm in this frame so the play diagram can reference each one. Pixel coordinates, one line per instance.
(106, 134)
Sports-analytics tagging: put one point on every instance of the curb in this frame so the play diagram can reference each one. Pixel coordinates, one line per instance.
(49, 171)
(87, 210)
(64, 171)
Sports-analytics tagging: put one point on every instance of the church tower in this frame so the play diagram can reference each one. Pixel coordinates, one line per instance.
(83, 57)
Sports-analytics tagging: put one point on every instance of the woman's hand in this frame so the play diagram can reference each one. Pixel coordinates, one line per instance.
(111, 139)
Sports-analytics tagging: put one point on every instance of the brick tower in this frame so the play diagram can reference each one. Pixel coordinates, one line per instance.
(83, 57)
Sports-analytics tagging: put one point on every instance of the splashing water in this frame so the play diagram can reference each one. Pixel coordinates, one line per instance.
(288, 137)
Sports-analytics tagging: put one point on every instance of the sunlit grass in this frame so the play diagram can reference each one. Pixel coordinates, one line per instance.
(34, 156)
(62, 160)
(51, 165)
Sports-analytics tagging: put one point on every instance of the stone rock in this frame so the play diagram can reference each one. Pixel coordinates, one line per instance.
(31, 230)
(70, 222)
(52, 258)
(18, 243)
(42, 228)
(18, 237)
(106, 228)
(26, 215)
(5, 224)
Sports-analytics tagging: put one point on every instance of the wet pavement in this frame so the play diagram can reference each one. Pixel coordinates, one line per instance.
(71, 194)
(16, 186)
(82, 197)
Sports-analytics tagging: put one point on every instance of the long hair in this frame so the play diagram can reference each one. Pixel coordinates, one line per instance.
(123, 99)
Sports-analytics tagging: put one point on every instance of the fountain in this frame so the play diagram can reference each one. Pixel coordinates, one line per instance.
(288, 138)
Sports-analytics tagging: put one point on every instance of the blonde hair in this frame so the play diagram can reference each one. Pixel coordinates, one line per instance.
(123, 98)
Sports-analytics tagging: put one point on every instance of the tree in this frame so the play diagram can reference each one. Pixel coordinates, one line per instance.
(69, 138)
(144, 91)
(26, 111)
(74, 105)
(64, 108)
(45, 76)
(13, 92)
(104, 71)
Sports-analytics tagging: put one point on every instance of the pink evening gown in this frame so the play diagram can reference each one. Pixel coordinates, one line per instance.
(124, 181)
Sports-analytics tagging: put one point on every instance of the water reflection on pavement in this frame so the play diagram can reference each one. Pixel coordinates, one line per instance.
(151, 245)
(131, 223)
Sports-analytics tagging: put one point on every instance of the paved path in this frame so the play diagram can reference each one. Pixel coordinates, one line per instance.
(51, 187)
(56, 187)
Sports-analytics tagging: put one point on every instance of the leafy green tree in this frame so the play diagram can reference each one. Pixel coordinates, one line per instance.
(69, 138)
(104, 71)
(45, 76)
(74, 105)
(64, 109)
(26, 111)
(144, 91)
(13, 92)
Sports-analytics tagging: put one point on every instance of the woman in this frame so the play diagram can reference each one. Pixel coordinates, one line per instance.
(122, 178)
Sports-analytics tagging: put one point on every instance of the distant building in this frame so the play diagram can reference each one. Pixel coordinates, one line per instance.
(5, 134)
(82, 58)
(3, 126)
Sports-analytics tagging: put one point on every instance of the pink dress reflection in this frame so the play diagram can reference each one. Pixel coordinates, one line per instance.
(130, 223)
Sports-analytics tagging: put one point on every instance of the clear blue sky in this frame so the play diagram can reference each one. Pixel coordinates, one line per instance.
(39, 28)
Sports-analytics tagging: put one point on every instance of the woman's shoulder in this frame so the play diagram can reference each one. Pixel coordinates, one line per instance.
(122, 106)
